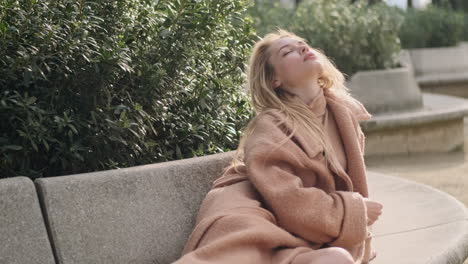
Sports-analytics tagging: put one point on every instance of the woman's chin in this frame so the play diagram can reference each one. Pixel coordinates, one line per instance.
(315, 67)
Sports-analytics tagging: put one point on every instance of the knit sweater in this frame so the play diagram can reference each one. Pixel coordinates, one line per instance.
(285, 201)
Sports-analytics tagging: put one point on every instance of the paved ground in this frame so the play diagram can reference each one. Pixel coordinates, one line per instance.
(448, 172)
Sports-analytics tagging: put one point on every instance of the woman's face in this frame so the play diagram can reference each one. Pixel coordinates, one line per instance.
(295, 63)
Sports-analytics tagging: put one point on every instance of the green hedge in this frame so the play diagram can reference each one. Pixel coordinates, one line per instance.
(93, 85)
(465, 28)
(459, 5)
(355, 36)
(269, 15)
(431, 27)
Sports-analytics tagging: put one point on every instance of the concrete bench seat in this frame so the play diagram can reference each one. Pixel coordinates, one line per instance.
(420, 224)
(145, 214)
(136, 215)
(23, 235)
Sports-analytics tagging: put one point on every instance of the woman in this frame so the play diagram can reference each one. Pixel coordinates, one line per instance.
(296, 191)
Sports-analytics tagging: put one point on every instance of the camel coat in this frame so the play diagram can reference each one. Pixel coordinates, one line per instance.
(285, 202)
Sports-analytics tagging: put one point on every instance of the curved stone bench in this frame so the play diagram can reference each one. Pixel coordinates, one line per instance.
(144, 214)
(135, 215)
(442, 70)
(420, 224)
(23, 235)
(435, 128)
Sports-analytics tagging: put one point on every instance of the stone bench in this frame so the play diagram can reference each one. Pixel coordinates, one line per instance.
(442, 70)
(419, 224)
(23, 235)
(138, 215)
(144, 214)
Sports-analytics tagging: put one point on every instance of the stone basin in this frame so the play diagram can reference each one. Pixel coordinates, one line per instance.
(406, 121)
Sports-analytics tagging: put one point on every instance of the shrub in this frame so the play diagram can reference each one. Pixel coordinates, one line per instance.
(457, 5)
(431, 27)
(268, 15)
(465, 28)
(356, 36)
(461, 5)
(92, 85)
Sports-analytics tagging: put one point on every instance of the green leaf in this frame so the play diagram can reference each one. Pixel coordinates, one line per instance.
(31, 100)
(12, 147)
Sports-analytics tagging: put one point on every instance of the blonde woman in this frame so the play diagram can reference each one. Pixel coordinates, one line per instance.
(296, 191)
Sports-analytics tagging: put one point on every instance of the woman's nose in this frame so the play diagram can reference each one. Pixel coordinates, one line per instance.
(303, 49)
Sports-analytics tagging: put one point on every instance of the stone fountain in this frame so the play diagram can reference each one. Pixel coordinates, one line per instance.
(405, 120)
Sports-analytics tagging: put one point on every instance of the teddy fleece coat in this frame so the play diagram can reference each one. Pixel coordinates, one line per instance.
(286, 202)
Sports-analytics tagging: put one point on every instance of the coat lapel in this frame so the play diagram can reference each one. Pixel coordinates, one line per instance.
(355, 176)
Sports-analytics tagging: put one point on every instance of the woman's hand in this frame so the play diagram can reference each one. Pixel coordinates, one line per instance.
(374, 210)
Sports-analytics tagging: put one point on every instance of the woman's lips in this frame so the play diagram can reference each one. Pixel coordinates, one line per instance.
(309, 55)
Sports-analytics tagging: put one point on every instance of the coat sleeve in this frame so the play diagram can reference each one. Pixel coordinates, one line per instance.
(337, 218)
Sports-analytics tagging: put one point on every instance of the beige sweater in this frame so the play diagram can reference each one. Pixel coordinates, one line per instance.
(283, 203)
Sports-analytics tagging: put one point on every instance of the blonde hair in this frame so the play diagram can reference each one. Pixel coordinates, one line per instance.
(299, 115)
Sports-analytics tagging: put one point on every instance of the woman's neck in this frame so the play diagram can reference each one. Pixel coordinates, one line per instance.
(308, 91)
(318, 105)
